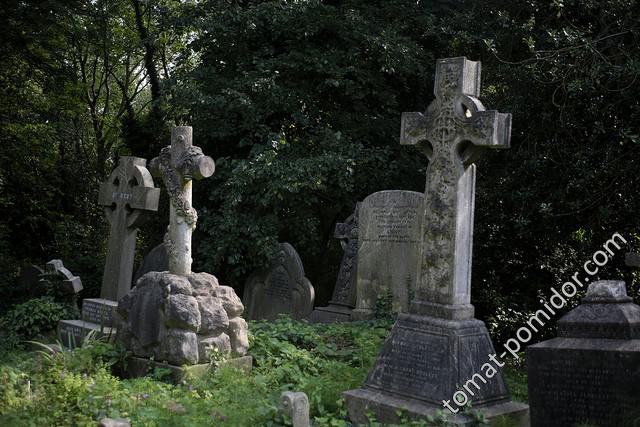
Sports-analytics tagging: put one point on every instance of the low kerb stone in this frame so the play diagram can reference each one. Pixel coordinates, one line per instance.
(139, 367)
(72, 333)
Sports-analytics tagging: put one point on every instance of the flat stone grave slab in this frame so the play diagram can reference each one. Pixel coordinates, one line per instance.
(72, 332)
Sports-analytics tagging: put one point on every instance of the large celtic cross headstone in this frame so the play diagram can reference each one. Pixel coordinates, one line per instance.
(179, 164)
(126, 195)
(451, 134)
(434, 350)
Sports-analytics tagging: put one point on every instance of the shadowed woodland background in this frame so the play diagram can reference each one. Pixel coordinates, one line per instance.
(299, 102)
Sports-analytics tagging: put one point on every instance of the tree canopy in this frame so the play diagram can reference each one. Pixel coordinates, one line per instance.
(299, 102)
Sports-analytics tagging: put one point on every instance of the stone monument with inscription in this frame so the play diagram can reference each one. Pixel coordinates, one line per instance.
(282, 288)
(388, 250)
(343, 300)
(177, 316)
(632, 259)
(127, 196)
(590, 373)
(438, 345)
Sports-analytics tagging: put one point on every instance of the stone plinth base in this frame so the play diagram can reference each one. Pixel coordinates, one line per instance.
(333, 313)
(425, 361)
(140, 367)
(362, 314)
(98, 315)
(386, 407)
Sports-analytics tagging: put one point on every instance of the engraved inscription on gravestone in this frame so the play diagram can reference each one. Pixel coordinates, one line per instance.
(388, 249)
(403, 366)
(278, 284)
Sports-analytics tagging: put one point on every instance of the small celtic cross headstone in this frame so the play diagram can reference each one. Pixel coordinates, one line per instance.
(178, 164)
(451, 134)
(347, 232)
(126, 196)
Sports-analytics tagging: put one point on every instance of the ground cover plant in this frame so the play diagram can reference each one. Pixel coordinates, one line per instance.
(79, 387)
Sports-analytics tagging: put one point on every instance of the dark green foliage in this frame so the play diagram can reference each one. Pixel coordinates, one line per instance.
(35, 317)
(300, 104)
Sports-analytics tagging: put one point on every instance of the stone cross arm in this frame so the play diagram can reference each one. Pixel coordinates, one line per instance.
(456, 115)
(131, 186)
(184, 158)
(179, 164)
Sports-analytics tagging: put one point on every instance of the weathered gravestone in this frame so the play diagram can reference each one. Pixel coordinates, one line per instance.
(127, 196)
(388, 250)
(282, 288)
(590, 374)
(343, 300)
(295, 405)
(438, 345)
(177, 316)
(156, 260)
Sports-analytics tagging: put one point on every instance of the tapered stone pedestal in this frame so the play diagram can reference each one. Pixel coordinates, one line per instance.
(426, 360)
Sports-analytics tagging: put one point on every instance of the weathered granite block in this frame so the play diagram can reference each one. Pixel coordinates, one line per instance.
(423, 362)
(170, 318)
(139, 367)
(590, 374)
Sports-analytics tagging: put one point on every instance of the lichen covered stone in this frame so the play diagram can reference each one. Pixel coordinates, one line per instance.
(177, 319)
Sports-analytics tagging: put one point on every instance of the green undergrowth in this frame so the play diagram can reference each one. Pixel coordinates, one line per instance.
(77, 388)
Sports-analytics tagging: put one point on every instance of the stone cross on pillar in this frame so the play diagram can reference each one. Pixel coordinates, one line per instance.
(451, 134)
(178, 164)
(125, 196)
